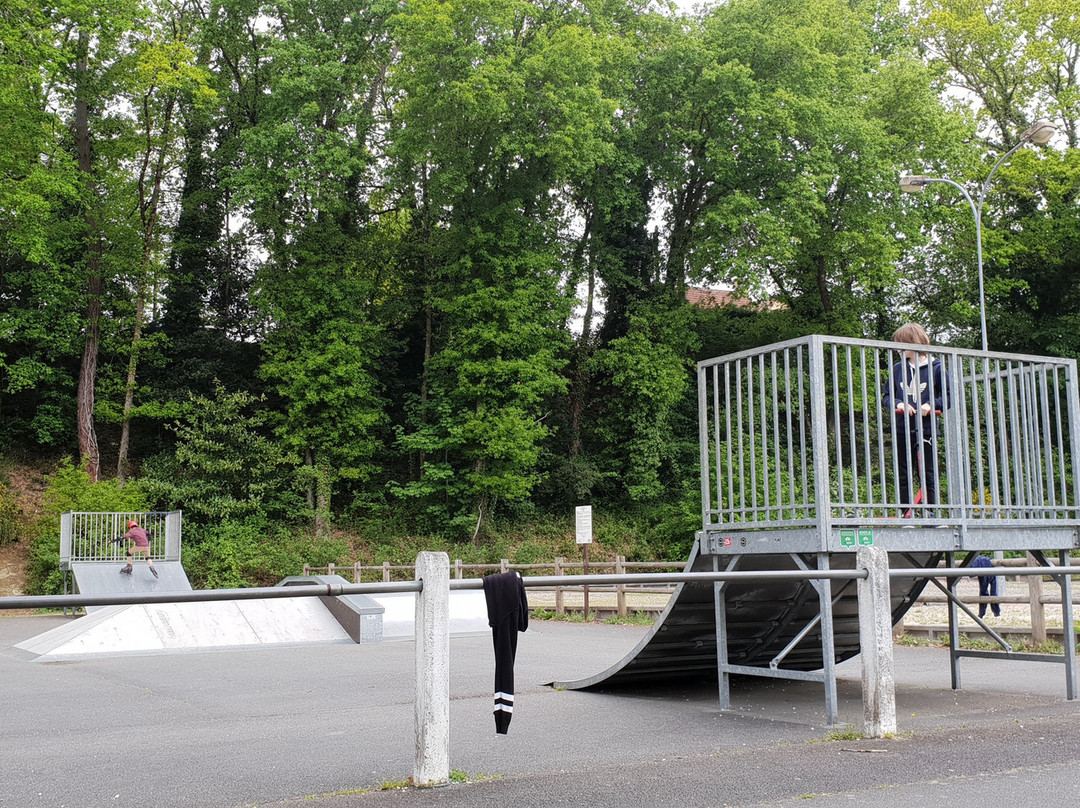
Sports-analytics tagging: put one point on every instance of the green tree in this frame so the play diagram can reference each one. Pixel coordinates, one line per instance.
(306, 164)
(501, 104)
(1016, 61)
(647, 373)
(792, 187)
(226, 465)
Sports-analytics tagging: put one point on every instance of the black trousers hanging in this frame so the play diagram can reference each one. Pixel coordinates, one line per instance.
(508, 613)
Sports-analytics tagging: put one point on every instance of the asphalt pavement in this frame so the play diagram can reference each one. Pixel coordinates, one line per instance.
(331, 726)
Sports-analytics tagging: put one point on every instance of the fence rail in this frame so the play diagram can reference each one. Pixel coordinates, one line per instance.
(803, 435)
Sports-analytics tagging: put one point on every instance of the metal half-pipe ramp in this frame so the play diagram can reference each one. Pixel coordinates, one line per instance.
(763, 617)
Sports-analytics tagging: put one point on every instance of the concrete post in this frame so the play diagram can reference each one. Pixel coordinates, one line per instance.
(876, 643)
(432, 631)
(1038, 611)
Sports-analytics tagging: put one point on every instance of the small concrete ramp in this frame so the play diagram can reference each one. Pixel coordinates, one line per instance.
(105, 578)
(171, 627)
(217, 625)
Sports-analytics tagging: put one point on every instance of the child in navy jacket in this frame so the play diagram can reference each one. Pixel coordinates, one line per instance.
(916, 391)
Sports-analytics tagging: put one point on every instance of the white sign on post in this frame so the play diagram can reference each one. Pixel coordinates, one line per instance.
(583, 524)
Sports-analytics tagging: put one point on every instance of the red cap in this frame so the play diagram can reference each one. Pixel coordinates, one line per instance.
(132, 523)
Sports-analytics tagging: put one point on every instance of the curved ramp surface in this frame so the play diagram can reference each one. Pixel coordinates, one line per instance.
(763, 617)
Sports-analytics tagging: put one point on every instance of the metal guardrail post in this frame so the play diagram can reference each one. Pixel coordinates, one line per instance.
(432, 708)
(620, 590)
(1038, 611)
(876, 643)
(560, 605)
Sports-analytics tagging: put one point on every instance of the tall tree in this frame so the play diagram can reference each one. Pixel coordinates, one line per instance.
(501, 104)
(1015, 62)
(307, 167)
(93, 46)
(39, 194)
(163, 72)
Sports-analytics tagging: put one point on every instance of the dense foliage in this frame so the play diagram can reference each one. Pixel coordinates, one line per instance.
(427, 262)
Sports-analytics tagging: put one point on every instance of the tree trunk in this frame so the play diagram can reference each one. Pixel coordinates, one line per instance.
(148, 211)
(129, 387)
(84, 405)
(823, 285)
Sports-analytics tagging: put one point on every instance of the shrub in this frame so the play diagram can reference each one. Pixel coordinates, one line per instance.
(236, 553)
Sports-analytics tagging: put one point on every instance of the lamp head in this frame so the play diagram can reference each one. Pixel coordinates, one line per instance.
(1039, 132)
(913, 183)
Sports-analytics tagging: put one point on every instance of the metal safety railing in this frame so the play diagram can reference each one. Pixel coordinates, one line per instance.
(803, 434)
(87, 536)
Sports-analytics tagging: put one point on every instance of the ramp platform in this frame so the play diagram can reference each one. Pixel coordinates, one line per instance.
(815, 447)
(169, 627)
(105, 578)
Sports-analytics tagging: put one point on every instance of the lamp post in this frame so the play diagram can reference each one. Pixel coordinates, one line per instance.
(1038, 133)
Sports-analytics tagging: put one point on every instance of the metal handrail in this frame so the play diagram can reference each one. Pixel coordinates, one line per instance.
(337, 590)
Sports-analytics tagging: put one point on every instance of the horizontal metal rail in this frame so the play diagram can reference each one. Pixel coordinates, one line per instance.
(200, 595)
(537, 581)
(975, 572)
(337, 590)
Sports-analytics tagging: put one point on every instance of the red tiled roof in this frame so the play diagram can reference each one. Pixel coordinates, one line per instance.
(715, 298)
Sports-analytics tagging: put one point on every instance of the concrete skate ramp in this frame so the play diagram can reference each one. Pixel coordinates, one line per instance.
(217, 625)
(105, 578)
(172, 627)
(763, 616)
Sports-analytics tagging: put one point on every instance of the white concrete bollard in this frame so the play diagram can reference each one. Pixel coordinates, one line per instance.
(876, 643)
(432, 766)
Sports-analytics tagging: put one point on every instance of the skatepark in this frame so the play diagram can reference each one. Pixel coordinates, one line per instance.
(279, 704)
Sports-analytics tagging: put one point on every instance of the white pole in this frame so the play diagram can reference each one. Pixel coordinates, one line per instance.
(876, 643)
(432, 632)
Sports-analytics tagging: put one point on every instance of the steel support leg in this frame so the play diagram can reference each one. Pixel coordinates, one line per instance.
(1068, 634)
(720, 614)
(954, 627)
(828, 642)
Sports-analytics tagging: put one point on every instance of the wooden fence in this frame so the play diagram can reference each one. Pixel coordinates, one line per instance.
(560, 566)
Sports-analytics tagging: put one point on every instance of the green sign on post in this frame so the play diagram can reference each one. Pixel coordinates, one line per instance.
(847, 538)
(866, 536)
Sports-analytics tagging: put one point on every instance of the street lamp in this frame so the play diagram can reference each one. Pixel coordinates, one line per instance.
(1038, 133)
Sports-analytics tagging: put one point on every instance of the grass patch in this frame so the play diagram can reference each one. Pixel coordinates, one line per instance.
(633, 617)
(459, 776)
(1052, 647)
(844, 734)
(911, 641)
(567, 617)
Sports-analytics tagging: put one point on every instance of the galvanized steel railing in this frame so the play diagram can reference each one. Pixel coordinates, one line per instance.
(794, 435)
(91, 536)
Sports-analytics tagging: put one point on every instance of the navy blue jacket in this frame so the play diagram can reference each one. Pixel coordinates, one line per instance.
(917, 385)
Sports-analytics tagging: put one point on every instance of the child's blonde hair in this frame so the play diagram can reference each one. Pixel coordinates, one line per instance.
(912, 334)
